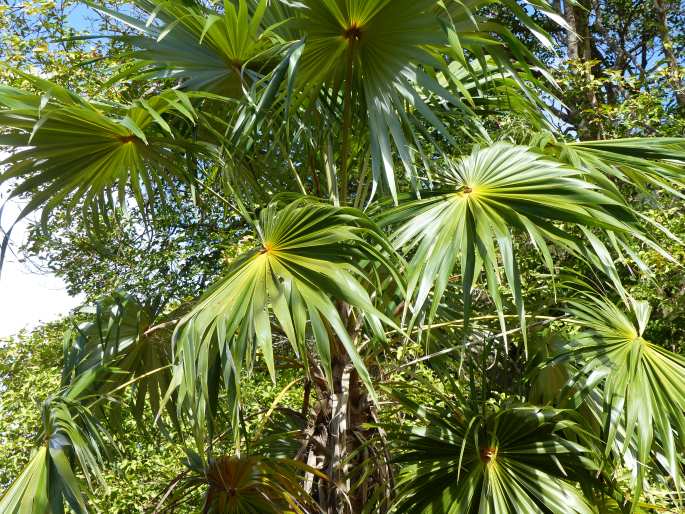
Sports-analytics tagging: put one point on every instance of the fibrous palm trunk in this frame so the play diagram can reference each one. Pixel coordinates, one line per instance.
(337, 442)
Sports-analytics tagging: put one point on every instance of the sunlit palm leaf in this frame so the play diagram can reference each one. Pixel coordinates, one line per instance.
(643, 384)
(203, 50)
(67, 151)
(310, 254)
(387, 54)
(513, 459)
(384, 52)
(486, 197)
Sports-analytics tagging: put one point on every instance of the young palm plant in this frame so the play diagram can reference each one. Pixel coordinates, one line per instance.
(350, 135)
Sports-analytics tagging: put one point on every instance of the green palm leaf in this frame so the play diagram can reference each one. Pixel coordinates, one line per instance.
(514, 459)
(389, 57)
(641, 162)
(487, 89)
(385, 53)
(203, 50)
(70, 435)
(643, 384)
(256, 484)
(68, 151)
(102, 359)
(484, 199)
(118, 339)
(310, 254)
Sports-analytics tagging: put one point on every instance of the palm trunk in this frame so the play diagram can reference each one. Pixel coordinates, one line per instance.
(337, 442)
(338, 432)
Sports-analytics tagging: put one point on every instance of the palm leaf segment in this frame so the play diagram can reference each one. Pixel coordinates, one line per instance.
(643, 384)
(511, 460)
(203, 50)
(485, 197)
(487, 89)
(310, 253)
(65, 149)
(70, 434)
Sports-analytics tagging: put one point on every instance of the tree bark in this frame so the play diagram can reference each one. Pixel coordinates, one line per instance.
(572, 34)
(676, 79)
(579, 48)
(339, 486)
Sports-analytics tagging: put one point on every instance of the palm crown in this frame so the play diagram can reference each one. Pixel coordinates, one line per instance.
(360, 111)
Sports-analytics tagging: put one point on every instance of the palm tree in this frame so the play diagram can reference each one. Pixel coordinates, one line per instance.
(352, 136)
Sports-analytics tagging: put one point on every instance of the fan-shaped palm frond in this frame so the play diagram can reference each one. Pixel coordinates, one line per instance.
(310, 255)
(509, 459)
(70, 435)
(386, 53)
(256, 484)
(643, 384)
(487, 196)
(68, 151)
(205, 51)
(118, 339)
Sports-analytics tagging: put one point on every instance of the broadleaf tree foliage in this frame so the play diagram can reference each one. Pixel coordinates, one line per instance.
(388, 213)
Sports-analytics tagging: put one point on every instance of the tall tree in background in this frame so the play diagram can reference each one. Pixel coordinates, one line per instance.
(355, 139)
(664, 11)
(622, 52)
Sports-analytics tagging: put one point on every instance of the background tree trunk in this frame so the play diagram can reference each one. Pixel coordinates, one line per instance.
(662, 10)
(579, 48)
